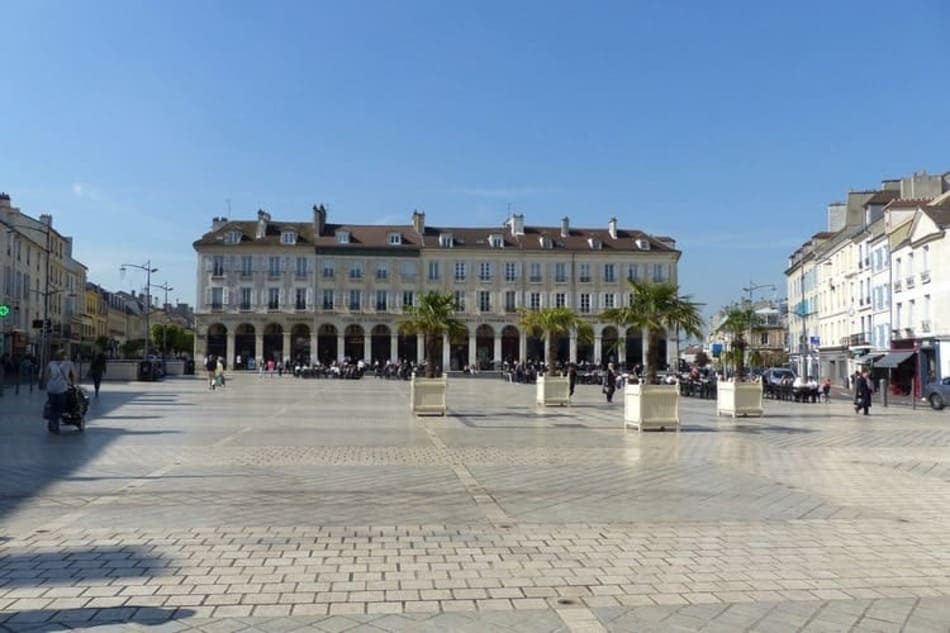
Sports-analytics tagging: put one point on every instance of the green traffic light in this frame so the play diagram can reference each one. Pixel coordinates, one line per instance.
(4, 311)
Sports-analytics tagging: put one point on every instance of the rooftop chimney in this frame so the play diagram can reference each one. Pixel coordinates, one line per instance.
(419, 221)
(46, 219)
(319, 220)
(4, 200)
(217, 223)
(612, 228)
(565, 226)
(263, 217)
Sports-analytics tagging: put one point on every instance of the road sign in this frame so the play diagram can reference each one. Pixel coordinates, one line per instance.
(4, 310)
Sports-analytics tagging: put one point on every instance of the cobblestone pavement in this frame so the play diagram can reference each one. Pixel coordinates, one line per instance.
(285, 505)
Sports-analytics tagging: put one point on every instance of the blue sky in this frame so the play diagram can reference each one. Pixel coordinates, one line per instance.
(726, 125)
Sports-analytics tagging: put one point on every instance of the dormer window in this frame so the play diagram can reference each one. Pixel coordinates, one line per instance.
(343, 237)
(642, 244)
(545, 242)
(445, 240)
(288, 237)
(232, 237)
(594, 243)
(394, 239)
(496, 240)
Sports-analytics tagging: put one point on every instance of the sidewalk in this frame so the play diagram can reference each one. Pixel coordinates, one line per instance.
(840, 393)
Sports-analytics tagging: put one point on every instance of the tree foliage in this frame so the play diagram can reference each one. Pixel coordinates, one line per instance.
(550, 324)
(431, 319)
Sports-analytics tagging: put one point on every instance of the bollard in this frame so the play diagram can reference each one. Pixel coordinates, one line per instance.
(884, 391)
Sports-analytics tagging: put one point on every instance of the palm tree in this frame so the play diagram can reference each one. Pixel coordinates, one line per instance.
(619, 318)
(433, 317)
(549, 324)
(739, 321)
(658, 308)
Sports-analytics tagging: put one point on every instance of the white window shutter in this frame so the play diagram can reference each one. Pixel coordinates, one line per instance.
(208, 264)
(225, 297)
(207, 296)
(309, 297)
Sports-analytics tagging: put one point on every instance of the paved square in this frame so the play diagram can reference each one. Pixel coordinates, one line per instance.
(284, 505)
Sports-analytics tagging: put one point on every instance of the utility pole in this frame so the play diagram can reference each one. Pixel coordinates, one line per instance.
(167, 289)
(148, 294)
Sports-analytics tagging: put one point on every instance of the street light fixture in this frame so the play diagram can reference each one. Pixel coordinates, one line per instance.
(147, 267)
(167, 289)
(754, 286)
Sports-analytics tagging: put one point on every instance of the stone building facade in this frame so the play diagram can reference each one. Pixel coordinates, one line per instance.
(316, 291)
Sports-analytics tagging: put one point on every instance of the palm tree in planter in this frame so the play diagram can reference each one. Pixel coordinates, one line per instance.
(433, 317)
(550, 324)
(738, 397)
(656, 309)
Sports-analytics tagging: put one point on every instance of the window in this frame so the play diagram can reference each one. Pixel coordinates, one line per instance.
(300, 298)
(560, 272)
(245, 299)
(380, 300)
(327, 299)
(273, 298)
(232, 237)
(609, 273)
(354, 299)
(510, 301)
(217, 266)
(496, 240)
(408, 270)
(394, 239)
(609, 300)
(247, 265)
(585, 302)
(484, 301)
(633, 272)
(459, 271)
(658, 272)
(382, 270)
(897, 269)
(356, 270)
(511, 271)
(217, 298)
(897, 320)
(433, 271)
(484, 271)
(273, 266)
(328, 269)
(343, 237)
(301, 266)
(445, 240)
(407, 299)
(763, 338)
(535, 301)
(924, 258)
(535, 275)
(560, 300)
(460, 300)
(584, 272)
(288, 238)
(594, 243)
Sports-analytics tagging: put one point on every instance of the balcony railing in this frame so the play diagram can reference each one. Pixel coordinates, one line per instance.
(857, 340)
(925, 277)
(925, 326)
(909, 282)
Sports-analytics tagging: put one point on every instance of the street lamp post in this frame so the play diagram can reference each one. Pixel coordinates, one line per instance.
(167, 289)
(147, 267)
(754, 286)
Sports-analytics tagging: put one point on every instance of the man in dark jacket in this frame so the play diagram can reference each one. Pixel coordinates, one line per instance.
(862, 393)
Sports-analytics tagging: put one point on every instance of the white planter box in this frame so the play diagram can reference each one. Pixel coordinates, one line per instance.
(427, 395)
(651, 407)
(554, 391)
(739, 398)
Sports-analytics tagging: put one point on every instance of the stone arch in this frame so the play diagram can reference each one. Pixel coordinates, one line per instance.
(634, 346)
(274, 342)
(217, 339)
(354, 342)
(245, 344)
(300, 343)
(327, 335)
(485, 347)
(609, 344)
(381, 343)
(510, 344)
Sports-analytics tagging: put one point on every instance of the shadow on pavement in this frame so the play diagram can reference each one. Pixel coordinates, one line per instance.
(48, 621)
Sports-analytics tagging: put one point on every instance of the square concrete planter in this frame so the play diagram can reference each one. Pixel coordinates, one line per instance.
(739, 398)
(651, 407)
(427, 395)
(553, 391)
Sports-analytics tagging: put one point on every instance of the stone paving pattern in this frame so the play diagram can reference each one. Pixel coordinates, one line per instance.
(283, 505)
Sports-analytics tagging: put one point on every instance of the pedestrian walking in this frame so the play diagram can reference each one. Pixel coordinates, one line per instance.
(219, 372)
(862, 393)
(610, 382)
(571, 379)
(60, 375)
(211, 364)
(97, 369)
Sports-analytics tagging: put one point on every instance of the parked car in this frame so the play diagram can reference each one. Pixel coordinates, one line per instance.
(937, 393)
(775, 375)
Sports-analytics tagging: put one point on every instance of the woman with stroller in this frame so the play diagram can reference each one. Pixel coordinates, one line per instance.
(60, 376)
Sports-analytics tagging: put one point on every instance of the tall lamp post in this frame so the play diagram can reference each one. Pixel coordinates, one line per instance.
(147, 267)
(754, 286)
(167, 289)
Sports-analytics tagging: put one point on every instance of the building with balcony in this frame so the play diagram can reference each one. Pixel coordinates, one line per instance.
(316, 291)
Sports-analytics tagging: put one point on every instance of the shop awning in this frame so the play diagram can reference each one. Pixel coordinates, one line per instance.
(893, 359)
